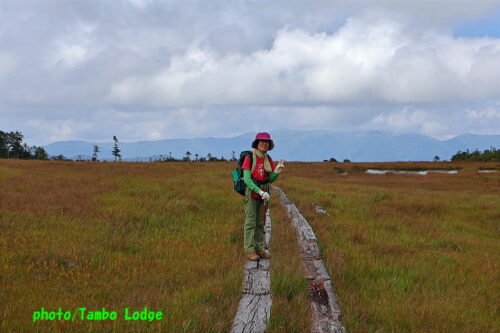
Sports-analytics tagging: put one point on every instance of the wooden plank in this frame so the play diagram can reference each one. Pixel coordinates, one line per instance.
(253, 313)
(254, 309)
(314, 269)
(256, 281)
(326, 312)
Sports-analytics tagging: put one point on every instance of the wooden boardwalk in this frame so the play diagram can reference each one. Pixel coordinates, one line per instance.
(254, 309)
(326, 312)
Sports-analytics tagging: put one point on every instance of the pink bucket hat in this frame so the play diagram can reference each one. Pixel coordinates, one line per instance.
(264, 136)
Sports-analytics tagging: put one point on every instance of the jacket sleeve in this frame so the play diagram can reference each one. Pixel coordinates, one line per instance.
(273, 176)
(247, 177)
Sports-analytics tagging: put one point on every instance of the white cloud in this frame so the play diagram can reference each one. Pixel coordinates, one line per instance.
(438, 121)
(151, 69)
(366, 60)
(8, 64)
(436, 12)
(410, 121)
(70, 55)
(73, 48)
(58, 130)
(139, 3)
(487, 114)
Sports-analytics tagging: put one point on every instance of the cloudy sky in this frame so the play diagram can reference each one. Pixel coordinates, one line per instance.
(146, 69)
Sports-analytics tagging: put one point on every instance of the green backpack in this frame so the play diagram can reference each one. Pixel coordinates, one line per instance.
(239, 183)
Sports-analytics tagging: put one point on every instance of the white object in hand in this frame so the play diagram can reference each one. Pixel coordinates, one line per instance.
(264, 195)
(279, 167)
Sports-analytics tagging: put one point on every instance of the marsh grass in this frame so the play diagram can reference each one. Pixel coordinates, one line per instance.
(291, 309)
(119, 235)
(406, 253)
(8, 172)
(489, 168)
(404, 166)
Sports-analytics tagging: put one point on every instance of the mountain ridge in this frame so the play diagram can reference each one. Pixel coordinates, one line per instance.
(291, 145)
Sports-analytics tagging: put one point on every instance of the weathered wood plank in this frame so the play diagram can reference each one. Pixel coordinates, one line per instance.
(253, 313)
(256, 281)
(254, 308)
(326, 311)
(314, 269)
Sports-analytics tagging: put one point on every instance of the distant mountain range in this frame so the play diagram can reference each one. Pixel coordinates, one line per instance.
(291, 145)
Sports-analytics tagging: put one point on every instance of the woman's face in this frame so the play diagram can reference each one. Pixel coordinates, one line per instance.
(263, 146)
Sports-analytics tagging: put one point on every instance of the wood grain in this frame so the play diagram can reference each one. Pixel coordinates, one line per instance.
(254, 308)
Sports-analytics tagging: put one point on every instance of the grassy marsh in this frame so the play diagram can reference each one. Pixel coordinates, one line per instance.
(405, 252)
(119, 235)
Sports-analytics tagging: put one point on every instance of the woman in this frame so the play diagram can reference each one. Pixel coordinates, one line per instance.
(258, 172)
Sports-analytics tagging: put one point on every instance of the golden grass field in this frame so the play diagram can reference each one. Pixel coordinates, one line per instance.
(407, 253)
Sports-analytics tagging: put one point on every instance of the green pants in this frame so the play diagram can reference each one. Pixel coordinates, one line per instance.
(254, 234)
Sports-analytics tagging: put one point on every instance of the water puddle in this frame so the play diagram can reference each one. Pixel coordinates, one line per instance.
(385, 172)
(420, 173)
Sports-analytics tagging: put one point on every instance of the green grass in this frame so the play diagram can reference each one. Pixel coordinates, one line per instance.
(8, 173)
(405, 253)
(291, 309)
(489, 168)
(413, 257)
(116, 236)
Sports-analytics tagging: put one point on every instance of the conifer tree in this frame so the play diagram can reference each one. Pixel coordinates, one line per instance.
(94, 155)
(116, 151)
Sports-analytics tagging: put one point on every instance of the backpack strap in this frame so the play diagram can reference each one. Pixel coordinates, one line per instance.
(250, 156)
(242, 157)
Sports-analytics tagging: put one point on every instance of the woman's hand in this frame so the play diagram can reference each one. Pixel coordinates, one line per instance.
(279, 167)
(264, 195)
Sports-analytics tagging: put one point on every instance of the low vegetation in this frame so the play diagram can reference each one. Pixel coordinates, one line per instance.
(291, 310)
(405, 252)
(116, 236)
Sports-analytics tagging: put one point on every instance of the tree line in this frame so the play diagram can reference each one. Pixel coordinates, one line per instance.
(489, 155)
(12, 146)
(190, 157)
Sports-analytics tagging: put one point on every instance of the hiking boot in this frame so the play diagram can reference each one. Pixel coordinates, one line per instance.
(264, 254)
(252, 256)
